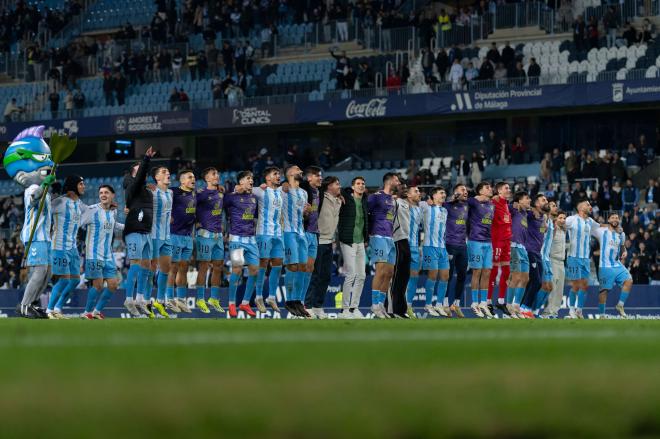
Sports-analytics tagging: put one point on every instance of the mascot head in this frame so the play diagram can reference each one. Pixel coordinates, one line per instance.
(28, 160)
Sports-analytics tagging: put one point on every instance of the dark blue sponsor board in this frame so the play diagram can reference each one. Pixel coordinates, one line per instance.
(445, 103)
(386, 106)
(643, 303)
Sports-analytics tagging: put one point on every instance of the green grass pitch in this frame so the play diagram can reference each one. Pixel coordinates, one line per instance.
(289, 379)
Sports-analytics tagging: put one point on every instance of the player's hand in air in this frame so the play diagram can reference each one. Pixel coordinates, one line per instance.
(150, 152)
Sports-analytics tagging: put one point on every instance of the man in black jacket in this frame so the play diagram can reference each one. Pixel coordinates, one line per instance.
(353, 234)
(137, 234)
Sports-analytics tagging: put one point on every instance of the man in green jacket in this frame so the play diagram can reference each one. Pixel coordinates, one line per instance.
(353, 235)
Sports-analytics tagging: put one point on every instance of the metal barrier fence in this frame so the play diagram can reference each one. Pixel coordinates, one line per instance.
(239, 100)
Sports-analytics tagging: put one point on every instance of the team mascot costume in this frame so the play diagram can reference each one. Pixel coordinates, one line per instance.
(28, 160)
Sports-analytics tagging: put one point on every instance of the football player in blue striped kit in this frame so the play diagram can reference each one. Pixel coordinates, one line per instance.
(578, 266)
(611, 272)
(314, 177)
(100, 266)
(67, 212)
(413, 196)
(161, 254)
(295, 241)
(546, 283)
(210, 246)
(269, 237)
(434, 254)
(184, 208)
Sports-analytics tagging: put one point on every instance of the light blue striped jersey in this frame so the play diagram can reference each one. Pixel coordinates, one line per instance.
(415, 225)
(579, 235)
(269, 219)
(435, 223)
(160, 229)
(547, 240)
(610, 246)
(42, 233)
(66, 221)
(294, 208)
(101, 225)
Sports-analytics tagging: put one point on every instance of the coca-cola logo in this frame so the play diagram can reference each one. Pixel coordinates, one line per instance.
(373, 108)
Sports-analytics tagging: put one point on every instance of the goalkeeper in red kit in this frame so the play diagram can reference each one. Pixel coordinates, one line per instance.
(501, 238)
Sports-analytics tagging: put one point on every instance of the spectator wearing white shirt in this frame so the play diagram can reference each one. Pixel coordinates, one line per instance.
(456, 75)
(10, 109)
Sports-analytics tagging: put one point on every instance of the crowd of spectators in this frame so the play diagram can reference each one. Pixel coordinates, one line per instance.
(496, 67)
(25, 22)
(589, 34)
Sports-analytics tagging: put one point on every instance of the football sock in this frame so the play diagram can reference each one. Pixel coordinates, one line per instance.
(70, 286)
(288, 284)
(132, 279)
(518, 295)
(411, 290)
(572, 299)
(541, 298)
(144, 283)
(161, 284)
(249, 289)
(181, 293)
(201, 293)
(475, 296)
(504, 278)
(375, 297)
(169, 292)
(261, 278)
(234, 279)
(510, 292)
(623, 297)
(274, 281)
(491, 281)
(56, 292)
(105, 298)
(601, 308)
(306, 279)
(484, 296)
(92, 294)
(581, 299)
(215, 292)
(442, 291)
(430, 290)
(298, 280)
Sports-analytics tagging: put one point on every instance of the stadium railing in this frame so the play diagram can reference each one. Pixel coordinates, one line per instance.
(383, 92)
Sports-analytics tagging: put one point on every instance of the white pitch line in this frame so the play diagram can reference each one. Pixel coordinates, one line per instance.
(297, 337)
